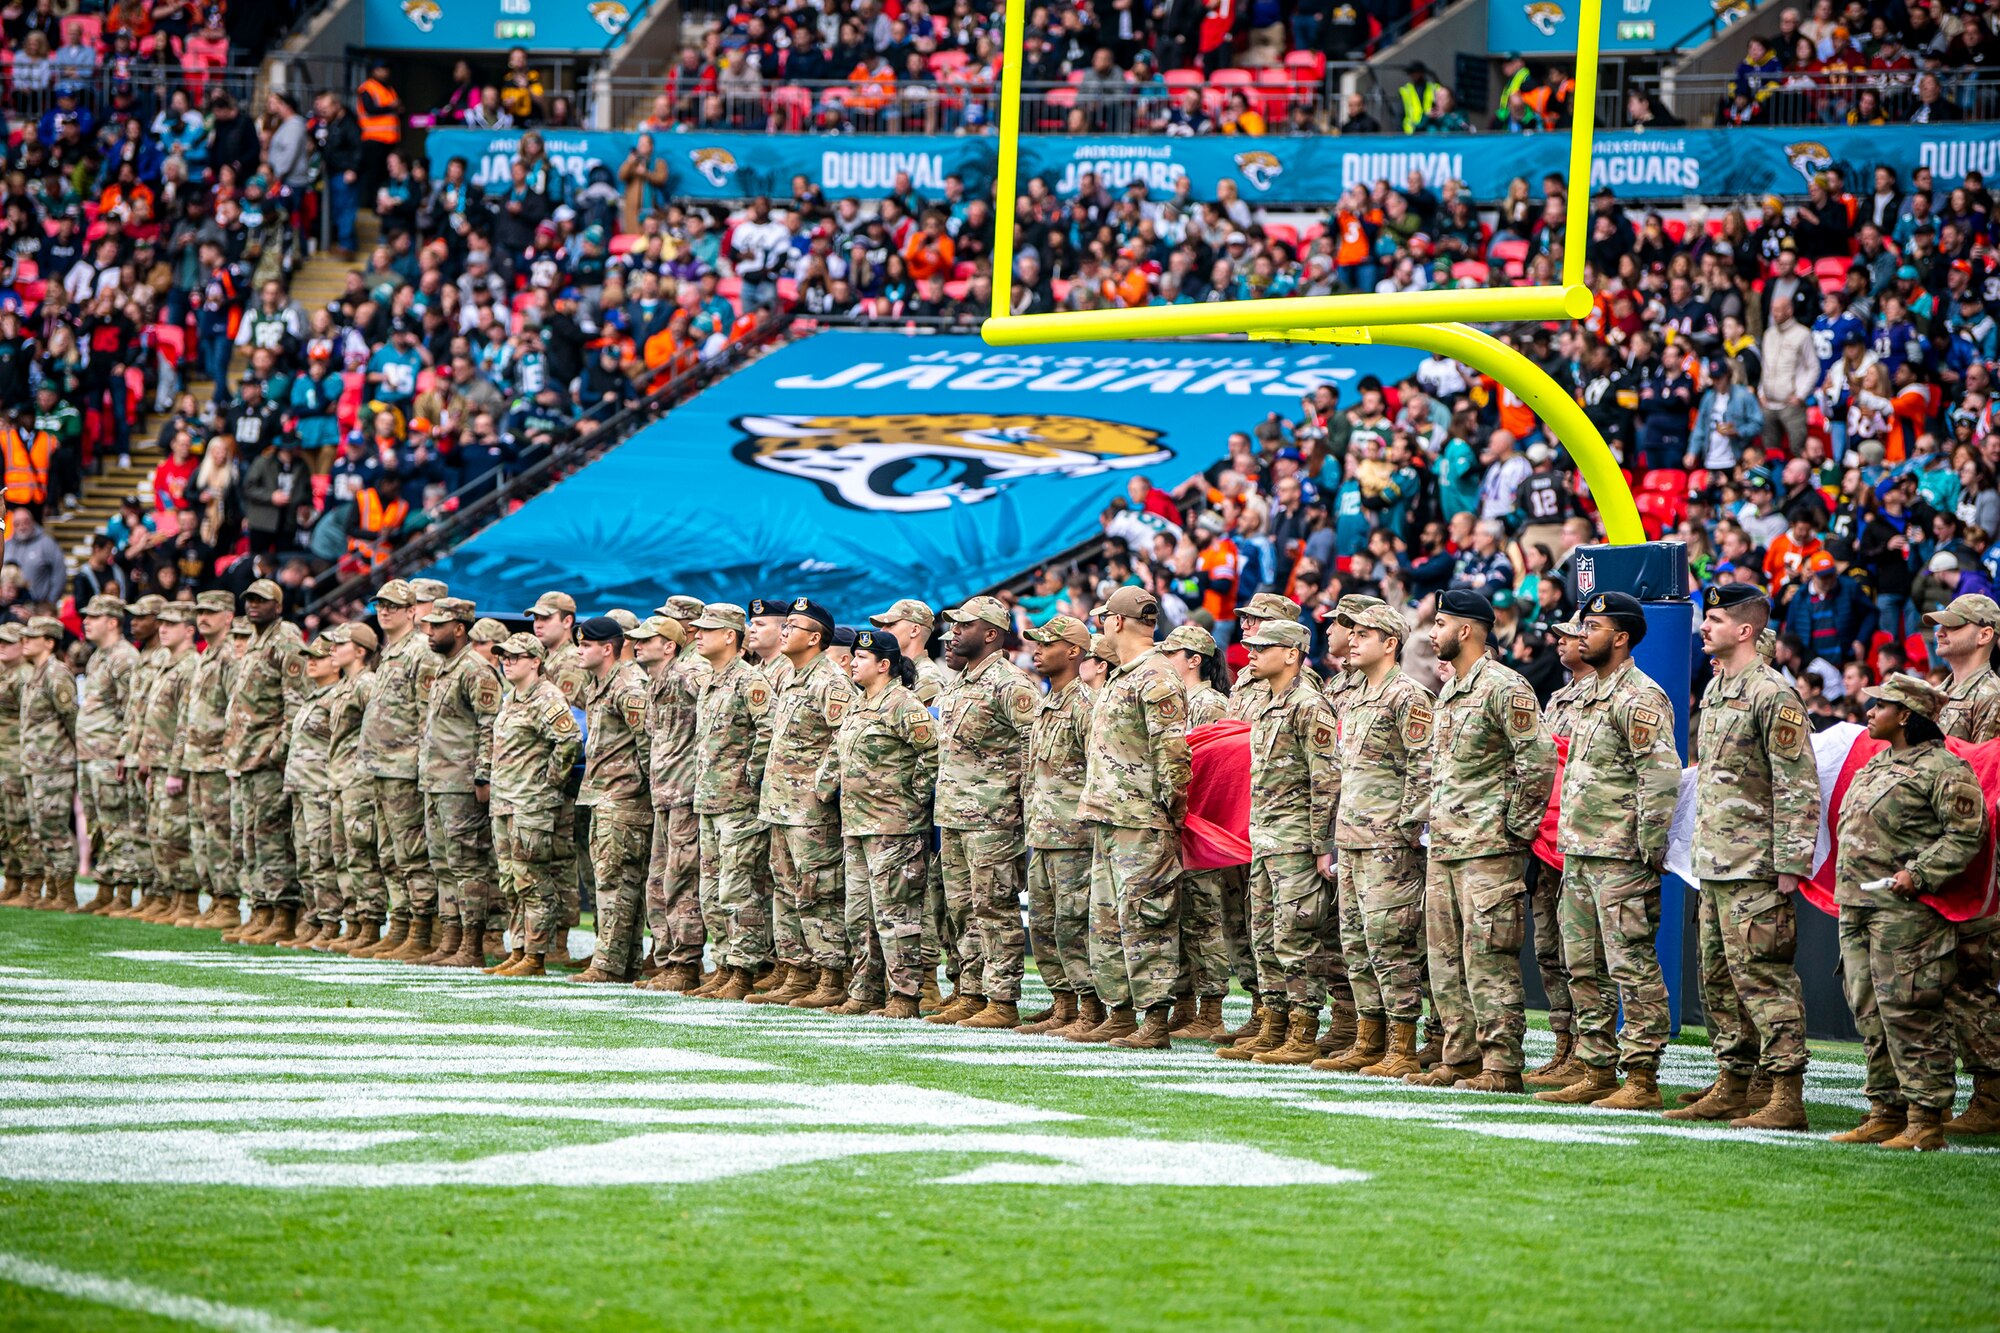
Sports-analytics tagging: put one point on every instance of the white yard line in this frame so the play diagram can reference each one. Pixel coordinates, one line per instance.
(123, 1295)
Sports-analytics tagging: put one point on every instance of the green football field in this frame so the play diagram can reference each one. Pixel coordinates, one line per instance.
(254, 1139)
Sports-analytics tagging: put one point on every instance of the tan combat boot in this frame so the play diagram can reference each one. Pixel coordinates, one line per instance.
(1431, 1052)
(1923, 1133)
(126, 909)
(962, 1005)
(1251, 1025)
(1155, 1034)
(779, 974)
(738, 985)
(62, 894)
(187, 910)
(1490, 1080)
(1089, 1013)
(929, 998)
(1546, 1075)
(331, 937)
(385, 943)
(996, 1014)
(1883, 1123)
(1401, 1059)
(10, 889)
(830, 993)
(366, 934)
(1183, 1012)
(1270, 1035)
(796, 984)
(711, 983)
(527, 965)
(901, 1006)
(159, 907)
(1982, 1114)
(1207, 1025)
(1061, 1014)
(1597, 1083)
(1371, 1043)
(858, 1006)
(471, 951)
(307, 931)
(106, 897)
(1723, 1101)
(1338, 1034)
(506, 962)
(1785, 1110)
(224, 913)
(1117, 1023)
(680, 978)
(258, 922)
(559, 954)
(1760, 1089)
(1690, 1098)
(1443, 1075)
(1301, 1044)
(416, 942)
(1640, 1093)
(444, 944)
(284, 924)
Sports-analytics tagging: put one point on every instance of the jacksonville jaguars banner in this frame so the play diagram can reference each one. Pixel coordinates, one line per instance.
(1651, 165)
(495, 25)
(857, 468)
(1548, 27)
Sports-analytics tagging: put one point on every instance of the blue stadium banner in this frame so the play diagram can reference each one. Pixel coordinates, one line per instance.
(857, 468)
(494, 25)
(1548, 27)
(1652, 165)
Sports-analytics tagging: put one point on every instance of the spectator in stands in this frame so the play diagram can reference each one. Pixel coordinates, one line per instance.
(30, 549)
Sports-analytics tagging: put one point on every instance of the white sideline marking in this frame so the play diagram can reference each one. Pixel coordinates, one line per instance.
(123, 1295)
(65, 990)
(325, 1023)
(11, 1005)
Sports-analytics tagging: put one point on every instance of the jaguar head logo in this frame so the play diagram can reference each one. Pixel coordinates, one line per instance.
(716, 165)
(610, 15)
(1809, 157)
(423, 13)
(1260, 168)
(1545, 15)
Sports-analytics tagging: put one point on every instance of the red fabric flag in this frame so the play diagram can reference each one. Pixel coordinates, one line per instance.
(1969, 895)
(1217, 832)
(1545, 839)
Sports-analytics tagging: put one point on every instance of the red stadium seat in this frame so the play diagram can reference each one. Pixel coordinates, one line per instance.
(1669, 479)
(1232, 78)
(623, 243)
(1677, 231)
(1278, 231)
(1180, 80)
(83, 30)
(795, 104)
(170, 340)
(1309, 66)
(1473, 269)
(1669, 509)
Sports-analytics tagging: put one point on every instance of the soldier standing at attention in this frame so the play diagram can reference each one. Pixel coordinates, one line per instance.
(1545, 881)
(536, 744)
(357, 860)
(203, 722)
(733, 739)
(264, 695)
(1204, 975)
(391, 723)
(165, 900)
(160, 763)
(615, 792)
(1135, 797)
(1913, 818)
(1058, 842)
(982, 754)
(1971, 712)
(763, 638)
(887, 752)
(1341, 688)
(454, 771)
(48, 759)
(309, 783)
(1620, 786)
(1492, 765)
(911, 622)
(1756, 818)
(20, 854)
(801, 783)
(100, 752)
(241, 631)
(673, 873)
(553, 617)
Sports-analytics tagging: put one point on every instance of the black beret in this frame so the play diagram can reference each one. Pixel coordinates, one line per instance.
(602, 629)
(1621, 607)
(1731, 594)
(843, 637)
(879, 642)
(811, 610)
(1465, 604)
(766, 606)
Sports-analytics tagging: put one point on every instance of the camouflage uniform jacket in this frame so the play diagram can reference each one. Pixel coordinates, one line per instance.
(1920, 811)
(1249, 695)
(393, 721)
(1560, 711)
(732, 738)
(1139, 763)
(1294, 773)
(670, 724)
(1972, 709)
(1623, 776)
(455, 753)
(152, 662)
(1342, 690)
(887, 750)
(1385, 763)
(778, 671)
(48, 717)
(802, 775)
(564, 669)
(205, 711)
(617, 755)
(264, 694)
(1058, 756)
(10, 720)
(1492, 764)
(1206, 705)
(107, 693)
(535, 745)
(933, 679)
(308, 755)
(983, 746)
(343, 762)
(162, 738)
(1756, 806)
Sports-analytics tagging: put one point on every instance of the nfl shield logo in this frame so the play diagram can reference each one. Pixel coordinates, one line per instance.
(1586, 575)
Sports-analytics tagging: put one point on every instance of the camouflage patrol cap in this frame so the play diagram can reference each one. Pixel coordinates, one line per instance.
(1068, 629)
(487, 630)
(721, 615)
(1133, 602)
(626, 620)
(360, 635)
(910, 609)
(43, 627)
(986, 610)
(659, 627)
(1918, 695)
(1103, 649)
(1353, 605)
(1975, 608)
(1271, 606)
(680, 607)
(105, 604)
(1573, 628)
(1380, 617)
(1191, 638)
(522, 645)
(396, 592)
(428, 590)
(448, 609)
(265, 590)
(11, 633)
(243, 629)
(214, 600)
(149, 605)
(1767, 644)
(553, 604)
(320, 646)
(176, 613)
(1278, 634)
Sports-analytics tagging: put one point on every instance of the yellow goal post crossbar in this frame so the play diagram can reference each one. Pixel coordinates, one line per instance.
(1568, 299)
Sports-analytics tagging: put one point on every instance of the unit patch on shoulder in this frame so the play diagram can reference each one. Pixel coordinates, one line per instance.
(1322, 736)
(1646, 724)
(1522, 714)
(1788, 731)
(1417, 726)
(486, 694)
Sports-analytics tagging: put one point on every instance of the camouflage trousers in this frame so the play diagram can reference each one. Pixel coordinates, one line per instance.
(673, 887)
(734, 860)
(525, 844)
(940, 942)
(460, 834)
(405, 850)
(1610, 913)
(52, 821)
(357, 857)
(1059, 916)
(235, 859)
(209, 811)
(169, 833)
(107, 818)
(1544, 907)
(1236, 931)
(809, 879)
(984, 873)
(1898, 959)
(1382, 930)
(1135, 932)
(1300, 900)
(312, 852)
(1972, 1001)
(885, 906)
(1748, 933)
(1475, 921)
(569, 867)
(619, 851)
(264, 844)
(20, 852)
(1204, 941)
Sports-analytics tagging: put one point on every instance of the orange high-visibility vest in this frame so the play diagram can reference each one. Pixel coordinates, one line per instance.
(384, 520)
(380, 126)
(27, 464)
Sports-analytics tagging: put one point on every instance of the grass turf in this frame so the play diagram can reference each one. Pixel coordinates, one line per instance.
(1498, 1217)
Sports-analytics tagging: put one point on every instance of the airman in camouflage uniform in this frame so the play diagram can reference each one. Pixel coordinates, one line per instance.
(391, 725)
(982, 754)
(554, 618)
(100, 752)
(615, 791)
(167, 902)
(1135, 797)
(48, 759)
(673, 874)
(911, 622)
(357, 852)
(1913, 818)
(1545, 881)
(733, 740)
(1342, 688)
(203, 725)
(20, 854)
(1965, 639)
(309, 783)
(536, 744)
(1059, 842)
(160, 764)
(887, 751)
(1756, 818)
(1492, 765)
(1620, 786)
(454, 770)
(264, 694)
